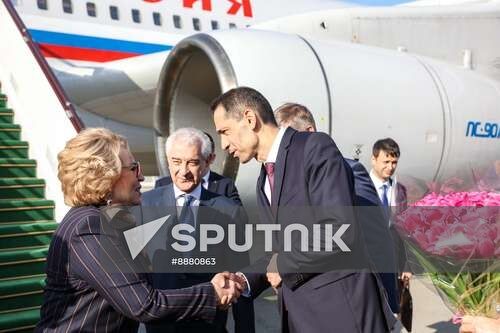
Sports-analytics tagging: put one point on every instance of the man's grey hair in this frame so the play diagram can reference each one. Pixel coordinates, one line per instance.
(190, 136)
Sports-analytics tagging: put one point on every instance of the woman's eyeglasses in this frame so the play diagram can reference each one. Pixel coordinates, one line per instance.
(134, 167)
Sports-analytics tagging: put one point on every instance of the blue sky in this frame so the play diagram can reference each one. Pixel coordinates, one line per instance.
(378, 2)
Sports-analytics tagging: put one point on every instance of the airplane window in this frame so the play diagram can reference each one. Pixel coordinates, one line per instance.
(232, 26)
(42, 4)
(156, 18)
(196, 24)
(215, 25)
(136, 15)
(91, 10)
(67, 6)
(177, 22)
(113, 13)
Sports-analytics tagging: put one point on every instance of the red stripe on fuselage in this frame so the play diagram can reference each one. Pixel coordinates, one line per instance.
(77, 53)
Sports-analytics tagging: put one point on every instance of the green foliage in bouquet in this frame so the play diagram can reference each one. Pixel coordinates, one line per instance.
(468, 292)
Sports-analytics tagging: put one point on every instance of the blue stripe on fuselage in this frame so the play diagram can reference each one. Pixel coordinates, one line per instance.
(57, 38)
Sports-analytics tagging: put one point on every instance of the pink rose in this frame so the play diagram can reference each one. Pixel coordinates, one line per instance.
(486, 248)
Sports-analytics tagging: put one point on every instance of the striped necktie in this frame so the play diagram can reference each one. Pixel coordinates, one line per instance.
(187, 215)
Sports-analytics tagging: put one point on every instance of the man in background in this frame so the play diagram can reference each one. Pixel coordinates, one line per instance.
(188, 152)
(392, 194)
(393, 197)
(211, 181)
(373, 222)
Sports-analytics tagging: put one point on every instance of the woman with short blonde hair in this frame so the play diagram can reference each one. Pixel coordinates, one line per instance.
(89, 165)
(86, 288)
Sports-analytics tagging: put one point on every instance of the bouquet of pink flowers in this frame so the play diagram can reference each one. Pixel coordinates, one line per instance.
(455, 237)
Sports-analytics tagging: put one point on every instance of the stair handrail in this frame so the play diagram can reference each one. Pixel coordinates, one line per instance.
(44, 66)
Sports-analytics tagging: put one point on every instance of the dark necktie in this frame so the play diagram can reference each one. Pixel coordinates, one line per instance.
(270, 174)
(187, 215)
(385, 200)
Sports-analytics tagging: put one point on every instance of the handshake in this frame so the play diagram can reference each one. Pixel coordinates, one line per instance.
(228, 287)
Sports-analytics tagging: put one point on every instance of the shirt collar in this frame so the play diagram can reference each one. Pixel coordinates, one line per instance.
(378, 182)
(196, 193)
(273, 152)
(205, 179)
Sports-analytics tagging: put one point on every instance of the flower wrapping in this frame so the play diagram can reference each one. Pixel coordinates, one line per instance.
(455, 238)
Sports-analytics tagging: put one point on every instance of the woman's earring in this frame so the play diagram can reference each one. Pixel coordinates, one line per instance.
(109, 201)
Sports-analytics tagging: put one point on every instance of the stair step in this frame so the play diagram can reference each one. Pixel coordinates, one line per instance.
(22, 188)
(17, 168)
(13, 149)
(23, 262)
(26, 235)
(19, 321)
(10, 132)
(3, 100)
(6, 115)
(21, 293)
(26, 210)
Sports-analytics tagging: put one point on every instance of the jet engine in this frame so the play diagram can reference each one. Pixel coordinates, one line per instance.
(445, 118)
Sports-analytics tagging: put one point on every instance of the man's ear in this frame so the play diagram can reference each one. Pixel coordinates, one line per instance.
(211, 159)
(251, 118)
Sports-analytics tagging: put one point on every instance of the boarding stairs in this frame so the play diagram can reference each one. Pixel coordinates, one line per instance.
(26, 226)
(30, 139)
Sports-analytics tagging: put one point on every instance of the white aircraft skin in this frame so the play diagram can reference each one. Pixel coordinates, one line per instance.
(418, 73)
(109, 67)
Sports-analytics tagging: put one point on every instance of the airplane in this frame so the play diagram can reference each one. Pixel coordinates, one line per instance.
(108, 55)
(424, 73)
(366, 72)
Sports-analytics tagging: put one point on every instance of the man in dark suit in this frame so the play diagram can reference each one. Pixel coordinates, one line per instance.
(369, 211)
(211, 181)
(303, 170)
(188, 151)
(391, 193)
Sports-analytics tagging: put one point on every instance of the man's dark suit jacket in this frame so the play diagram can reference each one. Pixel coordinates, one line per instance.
(311, 172)
(221, 210)
(83, 294)
(216, 183)
(374, 227)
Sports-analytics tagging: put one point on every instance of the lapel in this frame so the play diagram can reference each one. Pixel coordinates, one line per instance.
(280, 166)
(205, 198)
(261, 181)
(168, 200)
(212, 182)
(265, 213)
(168, 196)
(205, 201)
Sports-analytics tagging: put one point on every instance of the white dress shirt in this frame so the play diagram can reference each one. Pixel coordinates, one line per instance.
(379, 186)
(271, 158)
(204, 180)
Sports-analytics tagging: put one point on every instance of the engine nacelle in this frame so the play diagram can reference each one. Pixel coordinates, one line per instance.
(444, 118)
